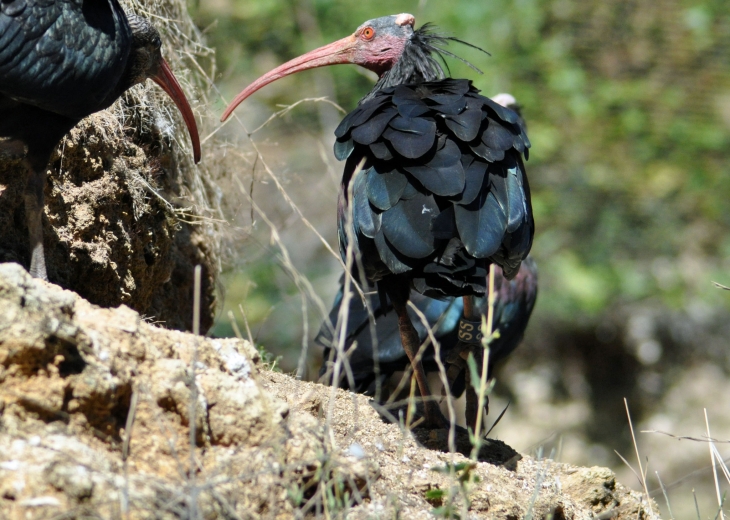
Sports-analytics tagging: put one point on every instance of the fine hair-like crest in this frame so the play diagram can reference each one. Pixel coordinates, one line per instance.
(423, 59)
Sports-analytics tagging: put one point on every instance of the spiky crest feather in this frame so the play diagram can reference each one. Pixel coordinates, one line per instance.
(419, 61)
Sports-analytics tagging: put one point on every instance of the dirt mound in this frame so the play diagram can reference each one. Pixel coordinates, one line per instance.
(98, 414)
(97, 408)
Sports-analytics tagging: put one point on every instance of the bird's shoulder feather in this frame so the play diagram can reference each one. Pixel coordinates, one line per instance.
(443, 166)
(54, 53)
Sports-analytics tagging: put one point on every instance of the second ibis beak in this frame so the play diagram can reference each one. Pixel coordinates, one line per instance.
(166, 80)
(336, 53)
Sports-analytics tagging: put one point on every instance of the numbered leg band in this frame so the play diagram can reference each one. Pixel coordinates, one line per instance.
(470, 331)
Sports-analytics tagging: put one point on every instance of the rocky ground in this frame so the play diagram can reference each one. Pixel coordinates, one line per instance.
(98, 415)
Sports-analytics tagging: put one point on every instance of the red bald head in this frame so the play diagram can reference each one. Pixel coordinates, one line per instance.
(376, 45)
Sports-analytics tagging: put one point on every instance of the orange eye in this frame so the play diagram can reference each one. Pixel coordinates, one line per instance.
(368, 33)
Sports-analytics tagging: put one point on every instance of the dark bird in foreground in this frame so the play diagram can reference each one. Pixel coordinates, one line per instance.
(372, 363)
(60, 61)
(442, 192)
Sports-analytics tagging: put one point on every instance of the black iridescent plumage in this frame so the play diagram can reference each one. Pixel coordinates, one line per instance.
(442, 193)
(513, 306)
(63, 49)
(61, 60)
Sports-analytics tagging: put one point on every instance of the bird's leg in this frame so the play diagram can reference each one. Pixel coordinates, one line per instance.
(411, 343)
(471, 313)
(33, 196)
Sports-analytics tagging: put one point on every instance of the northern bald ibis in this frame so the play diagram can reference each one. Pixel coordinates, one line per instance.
(61, 60)
(442, 192)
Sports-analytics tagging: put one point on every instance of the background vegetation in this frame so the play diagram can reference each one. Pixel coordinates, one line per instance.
(628, 108)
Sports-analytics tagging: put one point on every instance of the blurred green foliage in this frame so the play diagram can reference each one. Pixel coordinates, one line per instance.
(628, 110)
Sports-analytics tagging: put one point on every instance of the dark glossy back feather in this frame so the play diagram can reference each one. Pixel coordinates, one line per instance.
(513, 307)
(443, 192)
(64, 56)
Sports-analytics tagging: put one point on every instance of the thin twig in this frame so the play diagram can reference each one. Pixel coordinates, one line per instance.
(685, 438)
(286, 196)
(289, 108)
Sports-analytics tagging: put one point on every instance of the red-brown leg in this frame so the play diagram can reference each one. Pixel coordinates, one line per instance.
(411, 343)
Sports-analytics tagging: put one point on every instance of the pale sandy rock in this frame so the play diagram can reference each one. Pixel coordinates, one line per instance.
(102, 415)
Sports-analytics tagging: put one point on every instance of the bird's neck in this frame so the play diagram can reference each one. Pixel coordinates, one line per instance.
(129, 78)
(415, 65)
(134, 67)
(114, 94)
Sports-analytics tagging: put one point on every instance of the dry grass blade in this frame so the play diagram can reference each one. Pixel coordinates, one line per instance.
(302, 283)
(341, 360)
(697, 506)
(234, 325)
(638, 457)
(130, 423)
(124, 495)
(628, 465)
(349, 286)
(721, 462)
(487, 333)
(496, 421)
(666, 496)
(411, 406)
(713, 450)
(442, 373)
(419, 354)
(285, 194)
(245, 323)
(541, 473)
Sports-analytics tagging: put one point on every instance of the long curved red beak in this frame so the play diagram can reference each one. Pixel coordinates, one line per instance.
(335, 53)
(166, 80)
